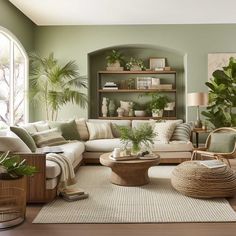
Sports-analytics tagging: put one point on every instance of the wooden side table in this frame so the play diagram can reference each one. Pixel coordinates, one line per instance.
(198, 131)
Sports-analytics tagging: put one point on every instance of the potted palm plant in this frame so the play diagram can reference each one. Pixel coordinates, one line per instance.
(137, 136)
(55, 85)
(157, 105)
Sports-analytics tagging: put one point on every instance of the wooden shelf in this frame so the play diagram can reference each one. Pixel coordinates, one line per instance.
(136, 118)
(137, 72)
(135, 90)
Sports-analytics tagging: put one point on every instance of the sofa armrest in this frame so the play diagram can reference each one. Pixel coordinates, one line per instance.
(36, 184)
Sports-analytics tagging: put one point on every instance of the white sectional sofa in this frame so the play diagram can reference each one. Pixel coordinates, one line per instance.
(88, 152)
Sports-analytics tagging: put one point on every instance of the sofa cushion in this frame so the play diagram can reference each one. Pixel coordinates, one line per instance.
(51, 137)
(42, 127)
(31, 127)
(52, 169)
(137, 123)
(51, 183)
(102, 145)
(164, 131)
(13, 144)
(173, 146)
(99, 130)
(114, 124)
(82, 129)
(68, 129)
(25, 137)
(73, 150)
(182, 132)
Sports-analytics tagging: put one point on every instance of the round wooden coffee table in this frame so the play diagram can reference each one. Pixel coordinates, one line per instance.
(129, 173)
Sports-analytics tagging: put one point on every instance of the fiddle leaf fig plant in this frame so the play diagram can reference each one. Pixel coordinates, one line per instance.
(222, 96)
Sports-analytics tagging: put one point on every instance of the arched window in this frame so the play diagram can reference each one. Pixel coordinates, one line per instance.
(13, 80)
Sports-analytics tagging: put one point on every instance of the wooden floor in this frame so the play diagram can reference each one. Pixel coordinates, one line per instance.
(170, 229)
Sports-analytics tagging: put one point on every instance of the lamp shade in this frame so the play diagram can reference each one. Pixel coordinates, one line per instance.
(197, 99)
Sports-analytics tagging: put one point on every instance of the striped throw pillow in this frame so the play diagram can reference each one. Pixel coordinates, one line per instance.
(99, 130)
(182, 132)
(51, 137)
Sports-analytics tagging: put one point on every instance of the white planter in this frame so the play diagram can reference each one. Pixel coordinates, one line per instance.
(157, 112)
(139, 113)
(170, 106)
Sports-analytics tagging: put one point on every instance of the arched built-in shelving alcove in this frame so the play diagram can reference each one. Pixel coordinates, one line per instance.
(174, 59)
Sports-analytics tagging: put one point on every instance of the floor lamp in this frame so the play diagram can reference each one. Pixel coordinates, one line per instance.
(197, 100)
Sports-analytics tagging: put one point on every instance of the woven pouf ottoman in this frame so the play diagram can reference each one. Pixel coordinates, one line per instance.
(195, 180)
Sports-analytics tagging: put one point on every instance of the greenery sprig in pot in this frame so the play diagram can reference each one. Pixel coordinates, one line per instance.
(115, 59)
(135, 64)
(12, 167)
(157, 104)
(137, 136)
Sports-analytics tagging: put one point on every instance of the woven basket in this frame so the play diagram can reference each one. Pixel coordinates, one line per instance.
(195, 180)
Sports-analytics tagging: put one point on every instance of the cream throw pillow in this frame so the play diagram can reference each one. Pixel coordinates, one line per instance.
(164, 131)
(99, 130)
(13, 144)
(82, 129)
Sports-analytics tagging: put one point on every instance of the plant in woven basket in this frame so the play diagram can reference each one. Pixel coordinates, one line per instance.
(114, 59)
(137, 136)
(135, 64)
(11, 167)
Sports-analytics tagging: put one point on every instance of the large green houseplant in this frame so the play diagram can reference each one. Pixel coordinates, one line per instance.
(55, 85)
(222, 96)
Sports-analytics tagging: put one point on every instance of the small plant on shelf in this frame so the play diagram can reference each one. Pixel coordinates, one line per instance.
(115, 59)
(135, 64)
(157, 104)
(12, 167)
(137, 136)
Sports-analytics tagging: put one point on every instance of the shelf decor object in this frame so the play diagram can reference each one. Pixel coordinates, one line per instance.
(196, 100)
(129, 86)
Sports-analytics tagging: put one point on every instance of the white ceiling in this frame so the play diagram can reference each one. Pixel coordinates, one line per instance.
(124, 12)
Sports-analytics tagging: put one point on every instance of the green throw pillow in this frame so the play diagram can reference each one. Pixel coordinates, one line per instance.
(222, 142)
(68, 129)
(25, 137)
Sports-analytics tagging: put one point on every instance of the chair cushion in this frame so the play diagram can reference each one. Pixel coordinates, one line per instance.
(102, 145)
(222, 142)
(99, 130)
(25, 137)
(13, 144)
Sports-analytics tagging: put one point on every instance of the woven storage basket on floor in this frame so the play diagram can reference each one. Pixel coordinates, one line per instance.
(195, 180)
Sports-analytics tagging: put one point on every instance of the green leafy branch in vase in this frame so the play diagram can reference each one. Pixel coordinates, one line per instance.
(137, 136)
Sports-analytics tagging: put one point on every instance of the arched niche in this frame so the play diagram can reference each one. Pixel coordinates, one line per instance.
(174, 59)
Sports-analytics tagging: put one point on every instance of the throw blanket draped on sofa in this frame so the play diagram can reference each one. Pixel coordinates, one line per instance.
(67, 176)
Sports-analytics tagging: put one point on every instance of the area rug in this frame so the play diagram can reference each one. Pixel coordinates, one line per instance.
(156, 202)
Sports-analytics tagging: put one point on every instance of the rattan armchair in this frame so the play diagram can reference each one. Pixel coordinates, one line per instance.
(203, 152)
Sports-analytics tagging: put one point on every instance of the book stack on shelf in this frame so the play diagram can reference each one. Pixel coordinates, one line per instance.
(110, 85)
(74, 194)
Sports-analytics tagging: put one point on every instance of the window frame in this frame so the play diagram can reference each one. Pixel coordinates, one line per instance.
(14, 41)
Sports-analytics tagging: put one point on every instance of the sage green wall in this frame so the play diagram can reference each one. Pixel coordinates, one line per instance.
(194, 41)
(17, 23)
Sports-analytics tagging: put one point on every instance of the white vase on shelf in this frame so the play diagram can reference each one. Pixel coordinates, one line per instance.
(104, 107)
